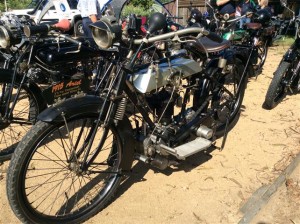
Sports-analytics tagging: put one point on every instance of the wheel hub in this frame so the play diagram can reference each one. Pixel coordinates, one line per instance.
(75, 167)
(4, 123)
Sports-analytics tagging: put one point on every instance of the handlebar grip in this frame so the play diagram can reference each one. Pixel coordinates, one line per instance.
(214, 37)
(31, 30)
(175, 17)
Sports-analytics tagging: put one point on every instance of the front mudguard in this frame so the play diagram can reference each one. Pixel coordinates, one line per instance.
(291, 55)
(87, 105)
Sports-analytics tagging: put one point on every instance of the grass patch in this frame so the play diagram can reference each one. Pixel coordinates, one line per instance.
(285, 41)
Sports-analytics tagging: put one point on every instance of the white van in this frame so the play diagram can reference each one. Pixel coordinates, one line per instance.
(52, 11)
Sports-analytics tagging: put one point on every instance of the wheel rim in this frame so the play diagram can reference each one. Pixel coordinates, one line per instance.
(262, 54)
(53, 185)
(13, 129)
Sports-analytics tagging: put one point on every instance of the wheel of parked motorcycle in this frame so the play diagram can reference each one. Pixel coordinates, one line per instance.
(78, 28)
(14, 126)
(48, 178)
(262, 51)
(229, 98)
(277, 89)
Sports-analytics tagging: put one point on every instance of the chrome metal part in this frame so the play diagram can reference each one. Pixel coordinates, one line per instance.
(121, 109)
(188, 149)
(204, 132)
(222, 63)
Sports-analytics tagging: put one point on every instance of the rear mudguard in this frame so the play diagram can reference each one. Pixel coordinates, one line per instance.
(87, 105)
(231, 55)
(6, 75)
(243, 53)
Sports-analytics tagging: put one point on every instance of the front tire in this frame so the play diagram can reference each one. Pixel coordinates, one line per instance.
(277, 90)
(45, 181)
(12, 129)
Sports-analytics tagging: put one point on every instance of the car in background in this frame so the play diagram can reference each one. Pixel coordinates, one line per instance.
(51, 11)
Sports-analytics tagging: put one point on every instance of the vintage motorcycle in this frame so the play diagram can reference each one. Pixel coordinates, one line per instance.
(69, 165)
(38, 71)
(287, 75)
(255, 38)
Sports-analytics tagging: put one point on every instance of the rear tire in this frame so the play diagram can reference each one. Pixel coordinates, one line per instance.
(225, 102)
(45, 183)
(277, 90)
(262, 55)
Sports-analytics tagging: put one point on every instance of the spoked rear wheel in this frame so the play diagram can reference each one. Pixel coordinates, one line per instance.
(277, 89)
(229, 99)
(13, 128)
(47, 181)
(262, 50)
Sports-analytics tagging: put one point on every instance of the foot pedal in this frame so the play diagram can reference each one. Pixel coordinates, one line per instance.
(190, 148)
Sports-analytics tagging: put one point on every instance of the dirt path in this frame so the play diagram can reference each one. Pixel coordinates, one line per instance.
(210, 188)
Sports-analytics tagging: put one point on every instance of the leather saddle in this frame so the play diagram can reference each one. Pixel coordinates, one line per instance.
(204, 44)
(253, 26)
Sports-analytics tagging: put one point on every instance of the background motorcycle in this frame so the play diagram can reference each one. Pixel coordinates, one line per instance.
(38, 71)
(256, 36)
(287, 76)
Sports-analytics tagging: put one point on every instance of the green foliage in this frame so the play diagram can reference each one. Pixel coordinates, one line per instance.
(2, 7)
(14, 4)
(143, 4)
(128, 9)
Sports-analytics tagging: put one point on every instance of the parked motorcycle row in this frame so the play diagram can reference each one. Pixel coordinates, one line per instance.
(76, 113)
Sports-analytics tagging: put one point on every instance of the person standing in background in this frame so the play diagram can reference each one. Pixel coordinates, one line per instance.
(226, 7)
(90, 13)
(244, 7)
(264, 5)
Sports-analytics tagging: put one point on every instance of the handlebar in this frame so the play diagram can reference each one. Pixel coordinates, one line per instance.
(62, 25)
(174, 17)
(45, 29)
(70, 39)
(238, 18)
(190, 30)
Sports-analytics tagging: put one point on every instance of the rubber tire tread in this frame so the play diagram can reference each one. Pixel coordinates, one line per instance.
(271, 93)
(12, 184)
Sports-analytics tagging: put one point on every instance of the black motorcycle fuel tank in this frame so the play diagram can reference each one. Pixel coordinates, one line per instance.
(54, 54)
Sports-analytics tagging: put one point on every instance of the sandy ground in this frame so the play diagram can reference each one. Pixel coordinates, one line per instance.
(212, 187)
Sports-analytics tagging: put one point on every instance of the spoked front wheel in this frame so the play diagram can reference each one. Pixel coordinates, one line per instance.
(12, 128)
(48, 180)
